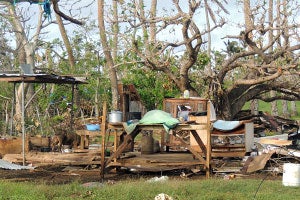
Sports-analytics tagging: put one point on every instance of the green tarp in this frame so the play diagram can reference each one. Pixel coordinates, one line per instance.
(154, 117)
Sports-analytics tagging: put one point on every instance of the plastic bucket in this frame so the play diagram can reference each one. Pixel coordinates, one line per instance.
(291, 174)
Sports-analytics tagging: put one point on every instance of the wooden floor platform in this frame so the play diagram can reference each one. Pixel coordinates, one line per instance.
(135, 161)
(156, 162)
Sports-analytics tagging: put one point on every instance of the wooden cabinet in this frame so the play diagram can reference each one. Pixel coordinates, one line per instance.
(197, 106)
(235, 143)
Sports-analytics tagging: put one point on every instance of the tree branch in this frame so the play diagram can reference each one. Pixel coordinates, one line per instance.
(258, 80)
(55, 8)
(66, 17)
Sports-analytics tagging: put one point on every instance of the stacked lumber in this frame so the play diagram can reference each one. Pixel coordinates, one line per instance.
(46, 158)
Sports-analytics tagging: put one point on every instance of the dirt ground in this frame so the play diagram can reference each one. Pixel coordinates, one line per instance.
(58, 175)
(64, 175)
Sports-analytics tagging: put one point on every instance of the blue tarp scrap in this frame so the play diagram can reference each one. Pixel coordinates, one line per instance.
(223, 125)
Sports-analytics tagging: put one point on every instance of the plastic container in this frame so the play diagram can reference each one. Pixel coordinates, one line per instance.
(291, 174)
(115, 116)
(186, 94)
(92, 127)
(147, 144)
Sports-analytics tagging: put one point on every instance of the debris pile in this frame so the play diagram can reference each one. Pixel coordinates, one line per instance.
(276, 142)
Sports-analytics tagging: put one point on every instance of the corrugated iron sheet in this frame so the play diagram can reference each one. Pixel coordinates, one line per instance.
(7, 165)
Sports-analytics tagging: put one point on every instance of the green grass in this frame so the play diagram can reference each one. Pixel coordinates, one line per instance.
(266, 107)
(143, 190)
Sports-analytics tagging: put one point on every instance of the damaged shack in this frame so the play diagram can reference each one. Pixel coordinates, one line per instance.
(184, 136)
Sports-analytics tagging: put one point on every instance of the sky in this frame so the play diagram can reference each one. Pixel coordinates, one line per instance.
(90, 11)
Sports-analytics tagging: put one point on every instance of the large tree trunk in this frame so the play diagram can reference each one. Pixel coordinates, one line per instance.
(249, 24)
(294, 111)
(209, 67)
(274, 109)
(285, 109)
(66, 41)
(26, 50)
(108, 56)
(153, 24)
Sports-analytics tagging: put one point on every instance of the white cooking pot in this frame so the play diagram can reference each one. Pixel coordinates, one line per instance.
(115, 116)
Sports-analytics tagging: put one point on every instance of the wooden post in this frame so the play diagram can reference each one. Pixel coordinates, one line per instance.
(23, 122)
(208, 129)
(103, 131)
(115, 142)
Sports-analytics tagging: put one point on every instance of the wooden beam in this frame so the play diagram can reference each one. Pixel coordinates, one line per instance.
(199, 141)
(195, 153)
(103, 130)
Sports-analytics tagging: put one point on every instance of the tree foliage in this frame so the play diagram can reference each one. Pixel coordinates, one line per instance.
(163, 50)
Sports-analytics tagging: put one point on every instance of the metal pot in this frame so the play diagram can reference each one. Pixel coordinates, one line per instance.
(115, 116)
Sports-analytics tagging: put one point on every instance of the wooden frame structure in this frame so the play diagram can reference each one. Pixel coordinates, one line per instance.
(203, 156)
(37, 78)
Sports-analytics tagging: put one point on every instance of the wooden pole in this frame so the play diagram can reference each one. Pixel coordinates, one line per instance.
(103, 131)
(72, 108)
(208, 152)
(23, 122)
(12, 111)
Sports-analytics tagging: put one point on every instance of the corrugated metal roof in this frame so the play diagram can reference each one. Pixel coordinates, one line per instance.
(7, 165)
(41, 78)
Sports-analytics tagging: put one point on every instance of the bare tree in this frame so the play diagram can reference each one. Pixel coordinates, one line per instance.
(25, 49)
(158, 54)
(27, 42)
(247, 74)
(274, 108)
(66, 40)
(108, 55)
(55, 8)
(274, 69)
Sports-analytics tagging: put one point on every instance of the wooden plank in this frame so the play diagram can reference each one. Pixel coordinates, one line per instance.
(195, 153)
(40, 158)
(103, 131)
(199, 141)
(228, 154)
(256, 163)
(275, 142)
(89, 133)
(128, 139)
(180, 127)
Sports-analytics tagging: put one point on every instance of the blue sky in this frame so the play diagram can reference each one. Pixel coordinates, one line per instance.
(91, 12)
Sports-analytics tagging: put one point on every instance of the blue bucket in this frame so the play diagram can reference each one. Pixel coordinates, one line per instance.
(92, 127)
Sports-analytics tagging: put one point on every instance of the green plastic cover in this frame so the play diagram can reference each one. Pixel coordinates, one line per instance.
(154, 117)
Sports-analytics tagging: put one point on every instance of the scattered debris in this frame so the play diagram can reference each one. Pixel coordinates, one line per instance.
(93, 185)
(255, 163)
(7, 165)
(229, 177)
(163, 196)
(158, 179)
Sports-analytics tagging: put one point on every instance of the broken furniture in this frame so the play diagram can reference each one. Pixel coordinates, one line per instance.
(92, 130)
(231, 138)
(130, 102)
(177, 132)
(198, 113)
(85, 137)
(28, 76)
(123, 142)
